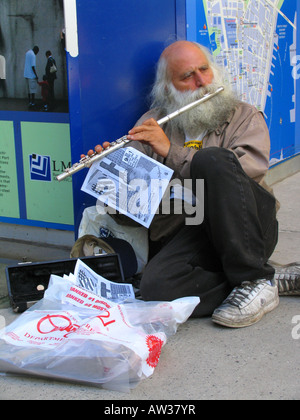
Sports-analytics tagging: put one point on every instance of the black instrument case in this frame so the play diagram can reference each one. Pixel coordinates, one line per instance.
(27, 282)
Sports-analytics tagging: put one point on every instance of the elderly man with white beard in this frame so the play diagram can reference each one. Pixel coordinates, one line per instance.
(224, 260)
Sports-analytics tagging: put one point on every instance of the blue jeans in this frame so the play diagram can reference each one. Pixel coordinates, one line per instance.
(232, 245)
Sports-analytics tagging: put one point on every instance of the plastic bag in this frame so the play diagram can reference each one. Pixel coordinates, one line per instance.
(75, 335)
(94, 221)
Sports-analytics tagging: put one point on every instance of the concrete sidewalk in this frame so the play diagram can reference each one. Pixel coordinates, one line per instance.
(203, 360)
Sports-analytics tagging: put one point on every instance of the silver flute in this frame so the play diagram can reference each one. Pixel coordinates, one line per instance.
(87, 161)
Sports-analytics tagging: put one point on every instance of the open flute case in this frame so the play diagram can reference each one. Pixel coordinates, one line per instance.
(27, 282)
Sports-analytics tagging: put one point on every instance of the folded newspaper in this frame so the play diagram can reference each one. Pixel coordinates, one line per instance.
(129, 182)
(90, 330)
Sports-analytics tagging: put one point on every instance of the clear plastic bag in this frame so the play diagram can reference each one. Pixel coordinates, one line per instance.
(94, 219)
(75, 335)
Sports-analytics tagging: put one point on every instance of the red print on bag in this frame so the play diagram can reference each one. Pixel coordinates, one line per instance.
(154, 345)
(61, 323)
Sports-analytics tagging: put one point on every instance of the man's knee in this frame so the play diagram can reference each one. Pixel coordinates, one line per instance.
(211, 161)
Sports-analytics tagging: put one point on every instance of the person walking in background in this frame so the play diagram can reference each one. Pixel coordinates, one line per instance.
(45, 93)
(30, 74)
(3, 76)
(2, 67)
(50, 71)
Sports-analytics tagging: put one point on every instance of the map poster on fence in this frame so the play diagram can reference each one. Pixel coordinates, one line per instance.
(255, 42)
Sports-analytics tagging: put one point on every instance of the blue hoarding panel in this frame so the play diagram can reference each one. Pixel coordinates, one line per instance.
(119, 44)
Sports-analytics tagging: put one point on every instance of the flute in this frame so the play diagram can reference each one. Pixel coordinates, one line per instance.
(87, 161)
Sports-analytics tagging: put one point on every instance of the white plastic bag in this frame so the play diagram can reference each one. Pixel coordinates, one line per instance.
(93, 219)
(75, 335)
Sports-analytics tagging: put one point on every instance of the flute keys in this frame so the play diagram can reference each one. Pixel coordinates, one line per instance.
(85, 158)
(121, 140)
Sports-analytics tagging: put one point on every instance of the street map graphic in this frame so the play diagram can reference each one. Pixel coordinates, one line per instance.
(255, 40)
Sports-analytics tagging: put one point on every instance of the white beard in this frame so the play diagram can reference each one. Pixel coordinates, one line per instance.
(208, 116)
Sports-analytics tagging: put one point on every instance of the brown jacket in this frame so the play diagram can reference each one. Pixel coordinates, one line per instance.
(245, 133)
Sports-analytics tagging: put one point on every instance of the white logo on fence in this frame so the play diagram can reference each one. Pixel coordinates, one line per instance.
(40, 167)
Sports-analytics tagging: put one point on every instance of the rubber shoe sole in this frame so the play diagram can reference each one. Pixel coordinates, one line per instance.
(246, 322)
(287, 277)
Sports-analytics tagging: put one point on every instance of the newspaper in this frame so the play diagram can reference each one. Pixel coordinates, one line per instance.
(129, 182)
(86, 278)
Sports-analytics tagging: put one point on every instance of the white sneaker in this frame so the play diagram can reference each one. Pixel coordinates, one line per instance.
(247, 304)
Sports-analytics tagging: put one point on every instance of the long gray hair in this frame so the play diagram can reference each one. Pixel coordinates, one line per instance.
(207, 117)
(159, 93)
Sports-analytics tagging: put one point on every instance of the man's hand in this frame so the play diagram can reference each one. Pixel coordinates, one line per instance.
(98, 149)
(148, 133)
(151, 133)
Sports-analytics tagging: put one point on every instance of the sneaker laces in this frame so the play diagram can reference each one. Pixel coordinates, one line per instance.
(242, 293)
